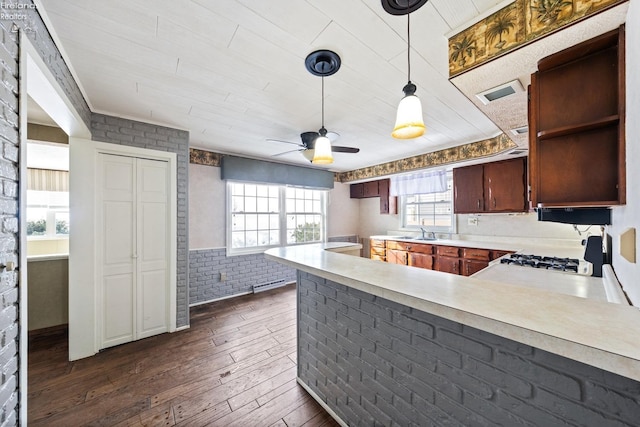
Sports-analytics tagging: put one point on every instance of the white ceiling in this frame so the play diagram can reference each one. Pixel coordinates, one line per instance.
(232, 72)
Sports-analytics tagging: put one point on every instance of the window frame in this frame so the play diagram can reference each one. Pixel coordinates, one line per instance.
(50, 220)
(436, 229)
(282, 222)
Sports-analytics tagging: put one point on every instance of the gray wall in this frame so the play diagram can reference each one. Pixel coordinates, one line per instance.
(120, 131)
(9, 141)
(376, 362)
(243, 271)
(48, 293)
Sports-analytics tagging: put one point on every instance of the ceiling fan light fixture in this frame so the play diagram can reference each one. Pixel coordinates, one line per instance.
(309, 153)
(409, 122)
(322, 149)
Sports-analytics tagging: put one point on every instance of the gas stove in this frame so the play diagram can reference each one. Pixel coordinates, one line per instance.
(569, 265)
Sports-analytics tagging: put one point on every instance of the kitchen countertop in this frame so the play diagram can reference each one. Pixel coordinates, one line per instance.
(598, 333)
(569, 251)
(579, 285)
(551, 281)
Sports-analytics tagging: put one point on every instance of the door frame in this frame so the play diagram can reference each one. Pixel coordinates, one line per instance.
(83, 280)
(36, 81)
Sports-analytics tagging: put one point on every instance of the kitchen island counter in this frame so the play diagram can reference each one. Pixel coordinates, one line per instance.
(600, 334)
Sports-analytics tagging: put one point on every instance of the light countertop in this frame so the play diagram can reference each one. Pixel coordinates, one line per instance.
(570, 251)
(551, 281)
(591, 331)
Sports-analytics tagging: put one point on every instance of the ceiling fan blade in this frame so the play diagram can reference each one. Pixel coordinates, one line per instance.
(286, 142)
(287, 152)
(338, 149)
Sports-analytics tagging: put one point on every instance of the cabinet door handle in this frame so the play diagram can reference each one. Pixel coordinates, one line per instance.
(478, 203)
(494, 202)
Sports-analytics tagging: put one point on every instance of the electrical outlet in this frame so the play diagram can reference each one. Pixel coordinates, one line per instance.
(223, 276)
(472, 221)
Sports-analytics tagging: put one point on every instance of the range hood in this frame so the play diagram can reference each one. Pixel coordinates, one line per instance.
(578, 216)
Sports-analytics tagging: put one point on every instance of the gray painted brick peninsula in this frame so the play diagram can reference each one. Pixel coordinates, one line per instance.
(377, 362)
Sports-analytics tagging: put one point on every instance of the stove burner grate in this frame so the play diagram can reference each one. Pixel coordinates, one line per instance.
(549, 263)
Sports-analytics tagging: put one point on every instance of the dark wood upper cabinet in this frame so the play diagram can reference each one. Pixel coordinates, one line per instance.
(356, 191)
(505, 187)
(468, 189)
(377, 188)
(577, 125)
(371, 189)
(491, 187)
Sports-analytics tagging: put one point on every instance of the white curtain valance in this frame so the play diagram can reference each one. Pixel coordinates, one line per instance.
(419, 183)
(47, 180)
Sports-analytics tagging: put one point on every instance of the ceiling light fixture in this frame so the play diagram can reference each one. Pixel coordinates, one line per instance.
(322, 63)
(409, 121)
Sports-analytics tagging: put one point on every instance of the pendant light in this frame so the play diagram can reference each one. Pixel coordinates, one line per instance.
(322, 63)
(322, 146)
(409, 121)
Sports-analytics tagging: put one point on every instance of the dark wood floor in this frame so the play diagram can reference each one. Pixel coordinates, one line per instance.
(235, 366)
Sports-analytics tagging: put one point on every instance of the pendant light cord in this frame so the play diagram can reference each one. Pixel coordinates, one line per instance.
(408, 43)
(323, 101)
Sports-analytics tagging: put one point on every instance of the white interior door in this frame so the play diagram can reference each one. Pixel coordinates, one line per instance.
(133, 257)
(152, 243)
(116, 219)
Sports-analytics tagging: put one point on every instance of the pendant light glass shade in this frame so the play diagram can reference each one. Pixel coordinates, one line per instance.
(409, 122)
(322, 150)
(322, 145)
(309, 153)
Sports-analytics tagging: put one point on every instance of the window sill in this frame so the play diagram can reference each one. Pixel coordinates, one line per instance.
(51, 257)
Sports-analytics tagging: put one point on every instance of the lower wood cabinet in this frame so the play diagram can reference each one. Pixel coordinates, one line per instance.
(395, 256)
(471, 266)
(448, 259)
(420, 260)
(377, 249)
(447, 264)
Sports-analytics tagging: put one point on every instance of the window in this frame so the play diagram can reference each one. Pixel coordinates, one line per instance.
(433, 211)
(305, 216)
(47, 214)
(264, 216)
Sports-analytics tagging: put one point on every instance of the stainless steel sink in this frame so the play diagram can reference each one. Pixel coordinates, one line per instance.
(414, 238)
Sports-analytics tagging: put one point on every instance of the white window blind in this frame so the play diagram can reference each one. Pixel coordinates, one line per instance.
(419, 183)
(47, 180)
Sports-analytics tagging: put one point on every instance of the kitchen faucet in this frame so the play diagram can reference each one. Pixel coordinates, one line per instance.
(425, 232)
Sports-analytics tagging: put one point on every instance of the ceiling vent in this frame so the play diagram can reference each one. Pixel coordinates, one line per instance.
(501, 91)
(517, 151)
(520, 131)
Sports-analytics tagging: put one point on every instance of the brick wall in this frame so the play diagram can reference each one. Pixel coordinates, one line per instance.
(120, 131)
(9, 141)
(353, 238)
(376, 362)
(243, 271)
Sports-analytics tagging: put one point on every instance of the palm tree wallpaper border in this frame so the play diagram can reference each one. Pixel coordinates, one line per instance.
(514, 25)
(474, 150)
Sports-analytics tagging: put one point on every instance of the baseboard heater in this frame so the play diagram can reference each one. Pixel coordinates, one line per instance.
(269, 285)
